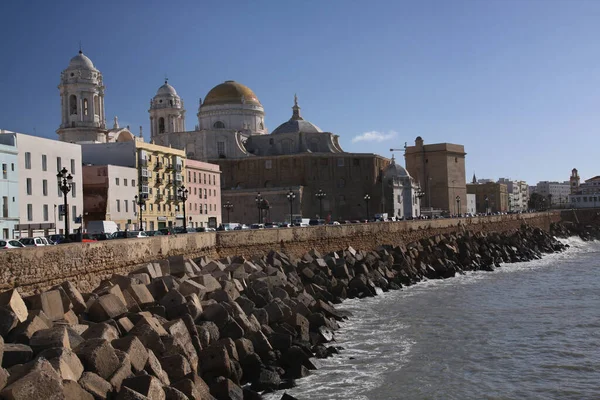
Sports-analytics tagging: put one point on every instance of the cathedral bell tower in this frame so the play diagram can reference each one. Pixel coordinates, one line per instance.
(82, 102)
(575, 180)
(167, 114)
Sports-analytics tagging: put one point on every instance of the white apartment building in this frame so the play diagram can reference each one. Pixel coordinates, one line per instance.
(587, 194)
(518, 194)
(556, 192)
(9, 187)
(471, 203)
(40, 199)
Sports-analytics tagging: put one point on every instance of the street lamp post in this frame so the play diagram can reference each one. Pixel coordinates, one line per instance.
(291, 196)
(65, 183)
(228, 207)
(139, 200)
(182, 193)
(367, 198)
(458, 206)
(259, 200)
(320, 195)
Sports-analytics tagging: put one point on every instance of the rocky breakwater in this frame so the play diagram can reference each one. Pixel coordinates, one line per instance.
(566, 229)
(225, 329)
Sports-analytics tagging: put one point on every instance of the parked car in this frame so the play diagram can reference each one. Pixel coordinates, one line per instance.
(166, 231)
(154, 233)
(102, 236)
(82, 238)
(314, 222)
(270, 225)
(136, 234)
(56, 238)
(34, 241)
(11, 244)
(334, 223)
(257, 226)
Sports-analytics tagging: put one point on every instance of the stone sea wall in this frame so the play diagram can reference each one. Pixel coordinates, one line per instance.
(226, 329)
(86, 264)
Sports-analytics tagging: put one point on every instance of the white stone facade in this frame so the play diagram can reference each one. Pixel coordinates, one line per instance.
(471, 203)
(39, 160)
(518, 194)
(558, 192)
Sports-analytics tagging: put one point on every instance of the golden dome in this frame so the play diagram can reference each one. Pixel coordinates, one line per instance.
(230, 92)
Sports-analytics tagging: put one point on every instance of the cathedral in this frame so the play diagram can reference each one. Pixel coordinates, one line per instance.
(259, 168)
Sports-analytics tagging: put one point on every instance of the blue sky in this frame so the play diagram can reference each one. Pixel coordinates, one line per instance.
(516, 81)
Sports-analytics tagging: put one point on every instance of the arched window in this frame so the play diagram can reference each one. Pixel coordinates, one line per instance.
(161, 125)
(73, 104)
(171, 102)
(219, 125)
(96, 105)
(261, 126)
(85, 107)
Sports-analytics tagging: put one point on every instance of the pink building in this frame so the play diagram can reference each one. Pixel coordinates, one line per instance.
(203, 206)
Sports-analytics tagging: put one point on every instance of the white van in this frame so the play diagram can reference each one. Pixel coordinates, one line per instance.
(94, 227)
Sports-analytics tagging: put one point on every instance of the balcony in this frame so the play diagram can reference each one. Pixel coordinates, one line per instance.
(170, 182)
(169, 167)
(160, 197)
(158, 166)
(158, 181)
(143, 162)
(144, 179)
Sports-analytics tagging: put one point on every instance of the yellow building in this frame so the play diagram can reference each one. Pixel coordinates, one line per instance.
(161, 172)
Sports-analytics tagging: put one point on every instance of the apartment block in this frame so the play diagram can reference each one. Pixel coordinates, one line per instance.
(160, 171)
(9, 187)
(204, 199)
(41, 202)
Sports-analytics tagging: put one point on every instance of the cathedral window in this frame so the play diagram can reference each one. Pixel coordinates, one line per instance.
(219, 125)
(161, 125)
(221, 149)
(96, 105)
(171, 102)
(73, 104)
(85, 106)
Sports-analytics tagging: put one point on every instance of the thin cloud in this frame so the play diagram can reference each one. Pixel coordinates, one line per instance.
(374, 136)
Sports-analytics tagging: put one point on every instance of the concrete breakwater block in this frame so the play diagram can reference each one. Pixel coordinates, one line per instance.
(227, 329)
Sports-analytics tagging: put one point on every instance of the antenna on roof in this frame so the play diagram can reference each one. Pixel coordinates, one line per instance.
(166, 78)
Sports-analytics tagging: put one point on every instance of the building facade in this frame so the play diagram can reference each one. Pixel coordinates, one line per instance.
(109, 195)
(489, 197)
(40, 198)
(518, 194)
(203, 207)
(9, 186)
(584, 195)
(440, 171)
(402, 194)
(344, 178)
(161, 171)
(556, 193)
(471, 204)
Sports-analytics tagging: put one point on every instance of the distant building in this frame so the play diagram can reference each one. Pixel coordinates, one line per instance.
(518, 194)
(489, 197)
(109, 195)
(203, 207)
(401, 191)
(471, 204)
(584, 195)
(40, 199)
(161, 170)
(555, 193)
(9, 186)
(440, 171)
